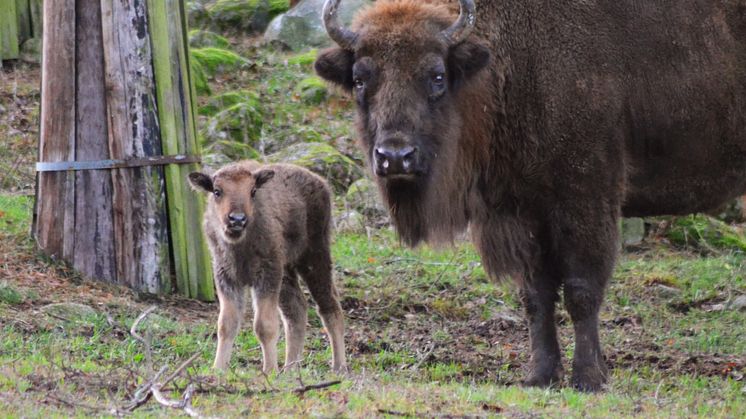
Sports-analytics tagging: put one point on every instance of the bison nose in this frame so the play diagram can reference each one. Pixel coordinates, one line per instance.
(395, 160)
(237, 219)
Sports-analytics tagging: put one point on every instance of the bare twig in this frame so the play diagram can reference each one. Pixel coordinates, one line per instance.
(391, 412)
(145, 342)
(424, 358)
(301, 390)
(181, 368)
(184, 404)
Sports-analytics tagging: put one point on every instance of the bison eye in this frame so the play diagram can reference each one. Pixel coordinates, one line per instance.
(253, 192)
(359, 84)
(218, 193)
(437, 85)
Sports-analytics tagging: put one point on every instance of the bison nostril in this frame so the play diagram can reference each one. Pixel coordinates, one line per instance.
(408, 153)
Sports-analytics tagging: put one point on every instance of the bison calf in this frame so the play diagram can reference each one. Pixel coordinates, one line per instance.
(265, 225)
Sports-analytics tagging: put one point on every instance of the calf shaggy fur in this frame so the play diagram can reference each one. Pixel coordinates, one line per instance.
(265, 225)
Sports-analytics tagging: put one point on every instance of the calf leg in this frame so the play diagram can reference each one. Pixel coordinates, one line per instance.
(231, 312)
(266, 325)
(317, 273)
(539, 299)
(294, 312)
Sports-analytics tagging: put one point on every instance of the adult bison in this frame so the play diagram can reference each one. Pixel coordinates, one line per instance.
(538, 124)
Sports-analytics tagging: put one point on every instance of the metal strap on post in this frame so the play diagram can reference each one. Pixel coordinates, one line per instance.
(64, 166)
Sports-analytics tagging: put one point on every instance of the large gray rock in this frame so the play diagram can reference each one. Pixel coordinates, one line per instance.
(301, 27)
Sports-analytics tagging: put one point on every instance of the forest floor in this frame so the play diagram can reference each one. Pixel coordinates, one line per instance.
(428, 335)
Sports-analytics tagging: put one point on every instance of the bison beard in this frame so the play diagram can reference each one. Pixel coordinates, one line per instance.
(539, 127)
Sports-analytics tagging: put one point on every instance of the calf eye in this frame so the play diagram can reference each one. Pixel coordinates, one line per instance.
(253, 192)
(218, 193)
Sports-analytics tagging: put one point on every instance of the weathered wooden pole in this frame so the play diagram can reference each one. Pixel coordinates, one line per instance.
(117, 141)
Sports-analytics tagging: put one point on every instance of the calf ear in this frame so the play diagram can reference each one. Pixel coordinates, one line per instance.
(467, 59)
(335, 65)
(261, 177)
(200, 182)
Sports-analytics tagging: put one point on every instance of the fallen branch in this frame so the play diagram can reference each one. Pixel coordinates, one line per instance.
(392, 412)
(301, 390)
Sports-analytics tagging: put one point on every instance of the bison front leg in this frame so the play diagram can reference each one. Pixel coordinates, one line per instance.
(231, 311)
(539, 300)
(294, 317)
(267, 324)
(587, 245)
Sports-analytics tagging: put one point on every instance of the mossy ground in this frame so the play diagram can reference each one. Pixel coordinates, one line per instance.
(428, 335)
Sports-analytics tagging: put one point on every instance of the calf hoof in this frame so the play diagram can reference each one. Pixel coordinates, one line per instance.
(589, 378)
(543, 377)
(341, 369)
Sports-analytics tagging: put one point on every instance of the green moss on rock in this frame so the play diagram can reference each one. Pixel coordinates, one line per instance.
(705, 234)
(304, 59)
(201, 39)
(216, 60)
(226, 100)
(251, 15)
(312, 91)
(199, 77)
(241, 122)
(324, 160)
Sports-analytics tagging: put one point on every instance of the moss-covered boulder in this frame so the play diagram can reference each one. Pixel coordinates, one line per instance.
(363, 196)
(226, 100)
(705, 234)
(197, 15)
(31, 51)
(217, 60)
(301, 27)
(324, 160)
(201, 39)
(245, 15)
(221, 152)
(312, 91)
(241, 122)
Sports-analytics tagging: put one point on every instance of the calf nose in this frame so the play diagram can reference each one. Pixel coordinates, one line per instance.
(237, 219)
(395, 160)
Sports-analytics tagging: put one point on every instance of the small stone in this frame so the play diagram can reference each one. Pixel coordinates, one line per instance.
(665, 291)
(739, 303)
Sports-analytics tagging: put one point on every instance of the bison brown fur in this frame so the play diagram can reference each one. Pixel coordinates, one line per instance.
(539, 126)
(266, 225)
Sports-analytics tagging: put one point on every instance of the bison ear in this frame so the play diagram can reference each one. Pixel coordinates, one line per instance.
(335, 65)
(261, 177)
(466, 59)
(200, 182)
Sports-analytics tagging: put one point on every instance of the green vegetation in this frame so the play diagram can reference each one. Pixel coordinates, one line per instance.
(706, 234)
(217, 60)
(199, 39)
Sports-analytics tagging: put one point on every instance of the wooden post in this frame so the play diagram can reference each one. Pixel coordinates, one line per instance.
(178, 133)
(93, 188)
(57, 141)
(8, 30)
(140, 218)
(116, 85)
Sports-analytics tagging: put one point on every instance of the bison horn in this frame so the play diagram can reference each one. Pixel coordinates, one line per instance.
(460, 30)
(344, 37)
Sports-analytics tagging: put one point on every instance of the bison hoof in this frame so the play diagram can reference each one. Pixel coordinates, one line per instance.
(589, 378)
(544, 377)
